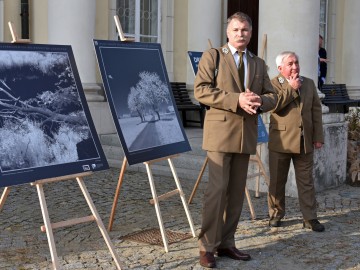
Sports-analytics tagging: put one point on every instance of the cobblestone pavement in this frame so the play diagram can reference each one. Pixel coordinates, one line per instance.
(24, 246)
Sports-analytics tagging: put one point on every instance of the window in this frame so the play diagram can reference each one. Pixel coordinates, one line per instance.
(323, 20)
(140, 19)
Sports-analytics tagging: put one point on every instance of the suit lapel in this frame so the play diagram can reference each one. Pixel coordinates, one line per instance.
(298, 100)
(302, 97)
(250, 69)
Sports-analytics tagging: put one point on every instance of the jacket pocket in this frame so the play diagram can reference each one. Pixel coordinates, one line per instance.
(215, 117)
(278, 126)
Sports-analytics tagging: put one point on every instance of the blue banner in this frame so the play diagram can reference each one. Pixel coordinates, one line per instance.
(263, 136)
(194, 59)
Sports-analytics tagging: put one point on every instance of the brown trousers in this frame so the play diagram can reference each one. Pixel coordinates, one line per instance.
(279, 164)
(223, 200)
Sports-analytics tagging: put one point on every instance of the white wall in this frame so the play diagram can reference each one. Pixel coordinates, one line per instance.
(291, 26)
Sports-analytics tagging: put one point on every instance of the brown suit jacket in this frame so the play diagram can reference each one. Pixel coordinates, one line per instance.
(228, 128)
(295, 114)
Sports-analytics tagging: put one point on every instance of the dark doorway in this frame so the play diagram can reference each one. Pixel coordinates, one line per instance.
(251, 8)
(25, 19)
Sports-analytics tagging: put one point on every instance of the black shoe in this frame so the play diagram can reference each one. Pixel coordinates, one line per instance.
(314, 224)
(275, 222)
(233, 253)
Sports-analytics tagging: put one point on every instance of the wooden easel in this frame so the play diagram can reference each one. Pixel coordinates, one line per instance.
(247, 193)
(15, 38)
(257, 158)
(261, 171)
(155, 200)
(4, 195)
(48, 226)
(120, 31)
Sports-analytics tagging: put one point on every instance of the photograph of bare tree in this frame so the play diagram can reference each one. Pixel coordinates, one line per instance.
(141, 101)
(45, 125)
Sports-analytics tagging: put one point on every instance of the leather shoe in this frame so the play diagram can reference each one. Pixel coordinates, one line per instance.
(233, 253)
(207, 259)
(275, 222)
(314, 224)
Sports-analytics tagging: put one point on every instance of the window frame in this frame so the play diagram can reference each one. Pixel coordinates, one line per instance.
(137, 20)
(324, 24)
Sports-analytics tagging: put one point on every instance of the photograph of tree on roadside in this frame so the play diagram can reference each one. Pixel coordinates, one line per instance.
(141, 100)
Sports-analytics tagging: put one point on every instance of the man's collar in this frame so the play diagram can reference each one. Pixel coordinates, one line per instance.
(233, 49)
(282, 78)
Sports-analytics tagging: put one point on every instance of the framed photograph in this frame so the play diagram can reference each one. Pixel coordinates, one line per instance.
(140, 99)
(46, 129)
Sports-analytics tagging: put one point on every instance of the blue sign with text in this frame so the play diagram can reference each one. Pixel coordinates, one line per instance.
(195, 59)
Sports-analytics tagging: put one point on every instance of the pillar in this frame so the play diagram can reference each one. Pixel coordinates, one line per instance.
(351, 40)
(204, 23)
(73, 23)
(201, 27)
(291, 26)
(1, 20)
(39, 21)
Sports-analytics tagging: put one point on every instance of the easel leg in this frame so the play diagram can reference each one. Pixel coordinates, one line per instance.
(261, 165)
(257, 181)
(248, 197)
(47, 223)
(262, 171)
(257, 187)
(98, 221)
(157, 207)
(182, 196)
(116, 198)
(3, 197)
(198, 180)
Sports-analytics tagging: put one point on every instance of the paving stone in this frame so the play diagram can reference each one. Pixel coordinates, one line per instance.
(24, 246)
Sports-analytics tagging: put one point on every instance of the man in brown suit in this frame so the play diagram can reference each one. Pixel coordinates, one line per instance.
(234, 97)
(295, 130)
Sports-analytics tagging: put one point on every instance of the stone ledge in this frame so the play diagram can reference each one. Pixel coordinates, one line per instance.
(94, 92)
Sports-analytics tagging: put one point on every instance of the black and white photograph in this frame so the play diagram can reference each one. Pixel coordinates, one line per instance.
(141, 101)
(45, 125)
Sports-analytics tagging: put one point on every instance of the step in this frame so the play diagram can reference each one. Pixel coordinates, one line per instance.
(191, 162)
(110, 139)
(195, 143)
(116, 152)
(157, 169)
(187, 165)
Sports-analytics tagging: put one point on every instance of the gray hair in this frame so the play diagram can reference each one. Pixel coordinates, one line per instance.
(241, 17)
(282, 56)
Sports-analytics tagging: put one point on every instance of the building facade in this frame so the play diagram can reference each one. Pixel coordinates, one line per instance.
(195, 25)
(188, 25)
